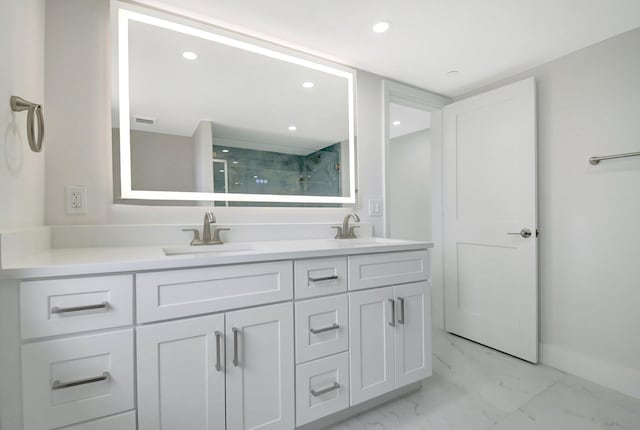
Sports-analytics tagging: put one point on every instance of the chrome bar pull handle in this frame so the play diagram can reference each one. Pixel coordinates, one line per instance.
(392, 323)
(325, 278)
(236, 362)
(333, 326)
(401, 319)
(218, 348)
(57, 385)
(57, 310)
(525, 233)
(329, 389)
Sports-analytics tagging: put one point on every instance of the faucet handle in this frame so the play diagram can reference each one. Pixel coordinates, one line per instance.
(216, 235)
(196, 234)
(338, 231)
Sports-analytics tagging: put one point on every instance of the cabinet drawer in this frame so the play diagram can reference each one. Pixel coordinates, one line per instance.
(66, 381)
(379, 270)
(322, 388)
(62, 306)
(126, 421)
(179, 293)
(320, 276)
(322, 327)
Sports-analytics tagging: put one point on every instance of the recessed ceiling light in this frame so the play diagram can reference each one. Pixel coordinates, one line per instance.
(453, 74)
(308, 85)
(190, 55)
(396, 123)
(381, 27)
(225, 150)
(292, 128)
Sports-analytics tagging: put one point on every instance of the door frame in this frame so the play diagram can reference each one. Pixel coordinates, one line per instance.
(396, 92)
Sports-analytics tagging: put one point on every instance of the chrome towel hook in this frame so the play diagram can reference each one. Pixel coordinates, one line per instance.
(19, 104)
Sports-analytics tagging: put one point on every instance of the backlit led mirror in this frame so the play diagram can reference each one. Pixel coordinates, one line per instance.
(202, 114)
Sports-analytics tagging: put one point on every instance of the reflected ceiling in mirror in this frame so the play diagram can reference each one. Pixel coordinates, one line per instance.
(201, 114)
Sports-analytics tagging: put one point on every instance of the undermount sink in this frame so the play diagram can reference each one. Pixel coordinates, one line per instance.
(207, 249)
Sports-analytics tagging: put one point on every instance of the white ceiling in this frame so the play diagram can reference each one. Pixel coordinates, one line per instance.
(411, 120)
(485, 40)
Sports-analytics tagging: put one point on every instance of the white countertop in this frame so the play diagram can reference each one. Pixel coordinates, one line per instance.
(85, 261)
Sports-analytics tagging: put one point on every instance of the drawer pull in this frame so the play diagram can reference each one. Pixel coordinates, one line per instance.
(57, 385)
(333, 326)
(319, 393)
(401, 319)
(57, 310)
(218, 337)
(235, 347)
(325, 278)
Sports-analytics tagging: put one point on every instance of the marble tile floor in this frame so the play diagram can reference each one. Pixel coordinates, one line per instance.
(477, 388)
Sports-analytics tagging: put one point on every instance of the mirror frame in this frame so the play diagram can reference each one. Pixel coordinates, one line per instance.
(122, 13)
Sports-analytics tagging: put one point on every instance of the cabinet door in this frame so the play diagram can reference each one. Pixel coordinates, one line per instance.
(413, 333)
(260, 368)
(180, 384)
(371, 339)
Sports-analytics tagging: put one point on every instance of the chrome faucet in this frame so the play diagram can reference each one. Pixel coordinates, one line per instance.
(207, 238)
(347, 231)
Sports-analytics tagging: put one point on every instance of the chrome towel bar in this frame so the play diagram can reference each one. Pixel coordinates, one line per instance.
(34, 110)
(596, 160)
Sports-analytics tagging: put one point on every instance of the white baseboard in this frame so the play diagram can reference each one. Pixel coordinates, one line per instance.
(610, 375)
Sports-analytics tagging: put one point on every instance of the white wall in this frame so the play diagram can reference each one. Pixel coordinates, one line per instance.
(162, 162)
(78, 33)
(409, 173)
(21, 74)
(589, 104)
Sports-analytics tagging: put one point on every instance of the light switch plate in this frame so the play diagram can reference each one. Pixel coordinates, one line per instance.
(375, 208)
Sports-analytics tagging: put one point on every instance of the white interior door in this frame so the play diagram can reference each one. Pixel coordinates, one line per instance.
(490, 245)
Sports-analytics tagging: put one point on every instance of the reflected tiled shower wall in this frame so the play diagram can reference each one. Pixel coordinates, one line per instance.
(249, 171)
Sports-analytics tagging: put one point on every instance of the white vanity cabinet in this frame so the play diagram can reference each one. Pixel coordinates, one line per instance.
(224, 346)
(260, 368)
(186, 379)
(181, 380)
(390, 338)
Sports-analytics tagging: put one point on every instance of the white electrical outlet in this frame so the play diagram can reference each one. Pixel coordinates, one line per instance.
(76, 199)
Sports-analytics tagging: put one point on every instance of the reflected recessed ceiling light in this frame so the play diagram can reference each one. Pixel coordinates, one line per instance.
(381, 27)
(234, 162)
(396, 123)
(225, 150)
(221, 170)
(453, 74)
(308, 84)
(189, 55)
(292, 128)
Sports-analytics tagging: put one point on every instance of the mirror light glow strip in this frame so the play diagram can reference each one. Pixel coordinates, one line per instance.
(126, 15)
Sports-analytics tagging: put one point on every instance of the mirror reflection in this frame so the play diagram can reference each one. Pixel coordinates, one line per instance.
(206, 117)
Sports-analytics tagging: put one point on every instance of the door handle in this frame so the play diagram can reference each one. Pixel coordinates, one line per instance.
(218, 337)
(392, 323)
(401, 319)
(525, 233)
(235, 347)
